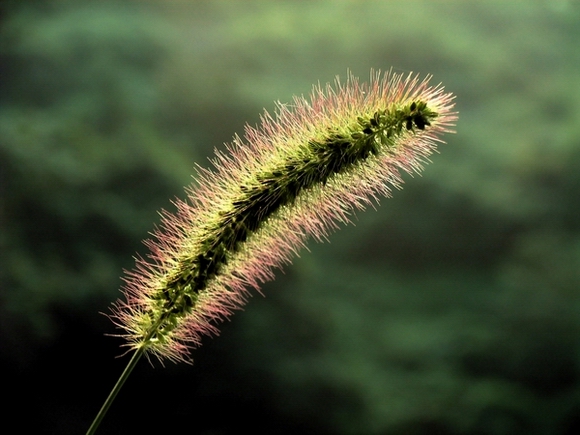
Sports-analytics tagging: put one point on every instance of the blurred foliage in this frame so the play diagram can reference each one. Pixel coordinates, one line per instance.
(453, 308)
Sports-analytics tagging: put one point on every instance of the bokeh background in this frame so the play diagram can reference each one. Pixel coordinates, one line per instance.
(454, 308)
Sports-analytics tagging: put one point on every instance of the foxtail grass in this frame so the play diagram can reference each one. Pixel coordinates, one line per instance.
(298, 175)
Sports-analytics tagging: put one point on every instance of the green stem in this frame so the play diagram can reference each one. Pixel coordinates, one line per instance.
(132, 363)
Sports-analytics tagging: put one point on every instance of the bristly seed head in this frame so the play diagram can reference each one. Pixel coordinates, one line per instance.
(296, 176)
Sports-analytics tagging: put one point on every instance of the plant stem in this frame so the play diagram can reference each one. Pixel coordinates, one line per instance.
(130, 366)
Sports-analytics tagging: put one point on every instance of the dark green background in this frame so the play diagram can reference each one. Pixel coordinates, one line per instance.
(451, 309)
